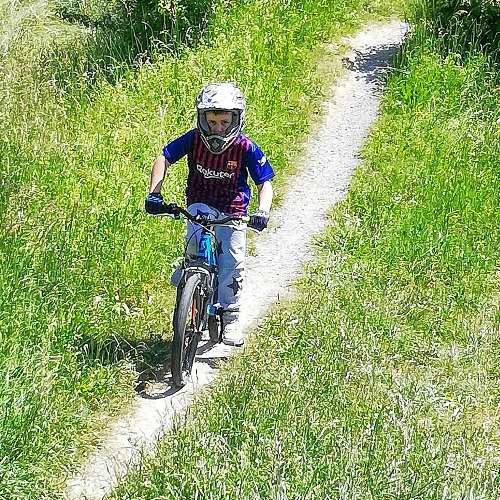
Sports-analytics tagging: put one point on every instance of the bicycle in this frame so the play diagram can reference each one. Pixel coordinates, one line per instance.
(196, 307)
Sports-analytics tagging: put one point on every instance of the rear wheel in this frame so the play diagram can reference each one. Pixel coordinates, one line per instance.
(214, 327)
(188, 320)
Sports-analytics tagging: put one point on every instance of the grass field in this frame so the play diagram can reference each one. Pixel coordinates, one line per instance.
(84, 109)
(389, 389)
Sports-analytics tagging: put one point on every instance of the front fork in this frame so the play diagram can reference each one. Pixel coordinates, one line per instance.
(208, 292)
(210, 307)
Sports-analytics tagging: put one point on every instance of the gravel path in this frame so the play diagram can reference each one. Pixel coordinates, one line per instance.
(331, 157)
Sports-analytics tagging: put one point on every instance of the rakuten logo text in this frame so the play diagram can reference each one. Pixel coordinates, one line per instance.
(208, 173)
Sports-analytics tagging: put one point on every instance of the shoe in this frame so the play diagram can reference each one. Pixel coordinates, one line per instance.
(231, 334)
(176, 277)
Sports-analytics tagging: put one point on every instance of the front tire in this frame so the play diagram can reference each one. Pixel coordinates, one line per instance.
(187, 324)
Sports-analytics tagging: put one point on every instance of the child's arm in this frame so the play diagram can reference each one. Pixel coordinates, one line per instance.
(259, 219)
(265, 196)
(158, 174)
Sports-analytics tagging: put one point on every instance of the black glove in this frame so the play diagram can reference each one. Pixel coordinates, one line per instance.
(259, 220)
(154, 204)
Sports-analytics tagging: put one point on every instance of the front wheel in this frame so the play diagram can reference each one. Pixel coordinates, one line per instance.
(188, 320)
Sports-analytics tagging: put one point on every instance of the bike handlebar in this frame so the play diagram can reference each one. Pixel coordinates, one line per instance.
(178, 212)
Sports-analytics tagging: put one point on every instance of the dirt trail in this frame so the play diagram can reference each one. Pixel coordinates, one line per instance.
(331, 157)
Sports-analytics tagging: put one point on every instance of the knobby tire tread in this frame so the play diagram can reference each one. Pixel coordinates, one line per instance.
(189, 292)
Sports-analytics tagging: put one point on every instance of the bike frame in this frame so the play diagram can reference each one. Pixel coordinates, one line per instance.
(206, 264)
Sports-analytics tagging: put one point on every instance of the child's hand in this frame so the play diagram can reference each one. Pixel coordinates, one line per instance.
(259, 220)
(154, 204)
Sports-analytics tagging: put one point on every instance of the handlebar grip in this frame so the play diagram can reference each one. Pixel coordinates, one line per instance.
(171, 209)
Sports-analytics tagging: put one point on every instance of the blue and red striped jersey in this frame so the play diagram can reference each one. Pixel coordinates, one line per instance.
(220, 181)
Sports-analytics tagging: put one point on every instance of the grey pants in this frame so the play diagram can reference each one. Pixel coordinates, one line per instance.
(230, 252)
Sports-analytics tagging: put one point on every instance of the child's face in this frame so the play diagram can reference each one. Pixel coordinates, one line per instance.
(219, 121)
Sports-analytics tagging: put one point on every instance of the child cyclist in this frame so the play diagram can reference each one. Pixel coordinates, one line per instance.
(220, 158)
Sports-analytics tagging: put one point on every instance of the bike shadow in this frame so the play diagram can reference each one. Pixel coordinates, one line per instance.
(152, 364)
(155, 380)
(213, 362)
(162, 394)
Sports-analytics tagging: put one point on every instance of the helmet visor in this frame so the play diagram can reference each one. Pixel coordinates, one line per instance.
(216, 136)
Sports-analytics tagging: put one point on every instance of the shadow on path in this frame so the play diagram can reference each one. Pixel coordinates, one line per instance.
(154, 380)
(372, 64)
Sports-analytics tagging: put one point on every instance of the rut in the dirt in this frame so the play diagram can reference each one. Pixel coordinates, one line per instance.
(332, 155)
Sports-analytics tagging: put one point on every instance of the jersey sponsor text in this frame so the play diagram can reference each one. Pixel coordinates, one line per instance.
(208, 173)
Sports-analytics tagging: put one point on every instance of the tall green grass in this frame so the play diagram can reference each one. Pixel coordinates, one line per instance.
(462, 26)
(388, 386)
(52, 51)
(83, 289)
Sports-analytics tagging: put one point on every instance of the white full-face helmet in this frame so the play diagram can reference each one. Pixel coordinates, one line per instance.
(220, 97)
